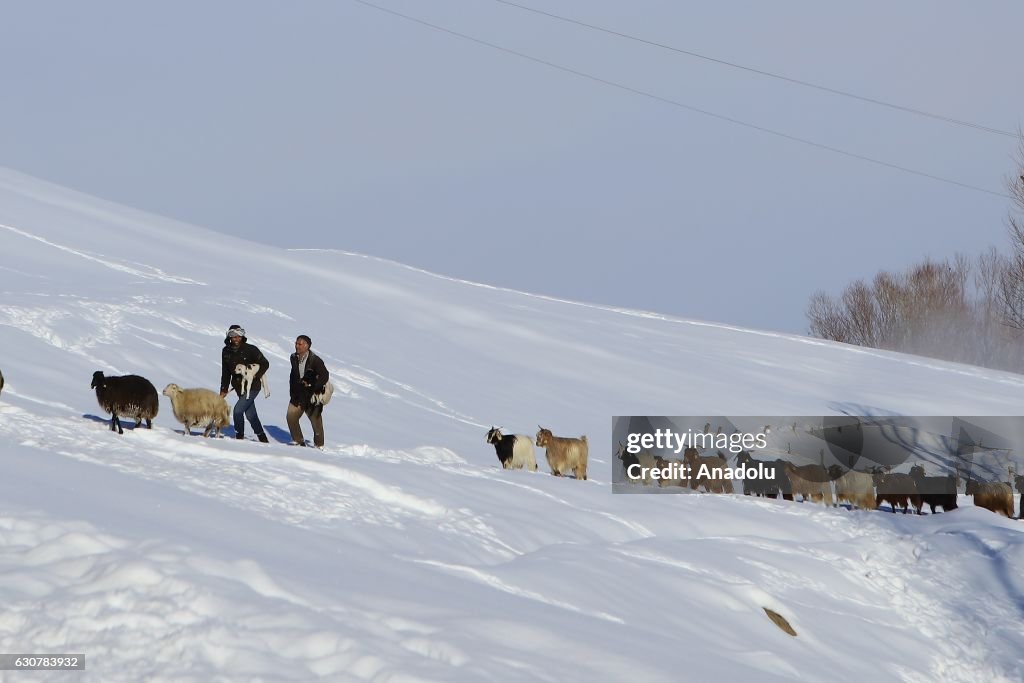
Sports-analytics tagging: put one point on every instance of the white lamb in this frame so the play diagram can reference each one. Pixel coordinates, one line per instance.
(248, 373)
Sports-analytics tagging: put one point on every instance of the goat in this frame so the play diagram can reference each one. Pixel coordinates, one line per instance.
(515, 451)
(897, 489)
(198, 407)
(563, 453)
(992, 495)
(667, 466)
(853, 487)
(707, 470)
(934, 491)
(644, 462)
(318, 400)
(248, 373)
(128, 395)
(811, 482)
(1019, 480)
(775, 481)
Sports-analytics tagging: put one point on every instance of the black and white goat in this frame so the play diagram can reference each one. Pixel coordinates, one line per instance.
(128, 395)
(515, 451)
(318, 400)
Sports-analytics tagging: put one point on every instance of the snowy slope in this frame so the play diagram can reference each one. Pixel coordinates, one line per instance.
(402, 552)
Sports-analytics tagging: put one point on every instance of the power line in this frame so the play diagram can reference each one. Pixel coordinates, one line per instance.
(681, 105)
(761, 72)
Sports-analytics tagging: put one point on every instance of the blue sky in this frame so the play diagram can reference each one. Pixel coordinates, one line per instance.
(335, 125)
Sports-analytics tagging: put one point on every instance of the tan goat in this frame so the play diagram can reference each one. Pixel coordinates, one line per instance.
(564, 454)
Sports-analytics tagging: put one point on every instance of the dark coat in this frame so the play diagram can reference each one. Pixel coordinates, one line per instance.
(300, 389)
(245, 353)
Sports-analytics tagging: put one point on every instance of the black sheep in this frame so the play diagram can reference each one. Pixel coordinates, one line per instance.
(935, 491)
(128, 395)
(775, 482)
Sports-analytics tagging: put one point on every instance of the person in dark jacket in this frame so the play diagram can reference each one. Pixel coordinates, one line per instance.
(237, 349)
(309, 376)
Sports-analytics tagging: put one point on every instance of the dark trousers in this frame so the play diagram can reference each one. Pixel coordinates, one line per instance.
(247, 407)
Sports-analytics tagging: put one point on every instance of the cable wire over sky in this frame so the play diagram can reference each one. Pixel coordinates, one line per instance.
(761, 72)
(681, 105)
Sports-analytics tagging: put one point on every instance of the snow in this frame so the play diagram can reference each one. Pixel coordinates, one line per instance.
(402, 551)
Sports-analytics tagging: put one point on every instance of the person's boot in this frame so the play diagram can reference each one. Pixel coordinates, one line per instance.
(239, 435)
(263, 438)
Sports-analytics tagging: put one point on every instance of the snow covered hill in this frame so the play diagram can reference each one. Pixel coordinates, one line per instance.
(402, 552)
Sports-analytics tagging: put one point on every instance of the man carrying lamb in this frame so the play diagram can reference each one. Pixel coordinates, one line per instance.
(309, 377)
(237, 349)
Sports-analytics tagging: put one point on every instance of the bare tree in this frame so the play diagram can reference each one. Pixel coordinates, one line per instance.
(943, 309)
(1012, 284)
(826, 319)
(971, 312)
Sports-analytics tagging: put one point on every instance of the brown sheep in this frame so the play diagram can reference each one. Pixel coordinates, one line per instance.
(897, 489)
(702, 471)
(564, 454)
(810, 481)
(663, 465)
(992, 495)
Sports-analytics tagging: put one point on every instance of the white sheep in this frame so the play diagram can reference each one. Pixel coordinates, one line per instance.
(248, 373)
(194, 407)
(853, 487)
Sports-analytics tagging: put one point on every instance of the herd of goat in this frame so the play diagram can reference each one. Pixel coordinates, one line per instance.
(831, 486)
(132, 396)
